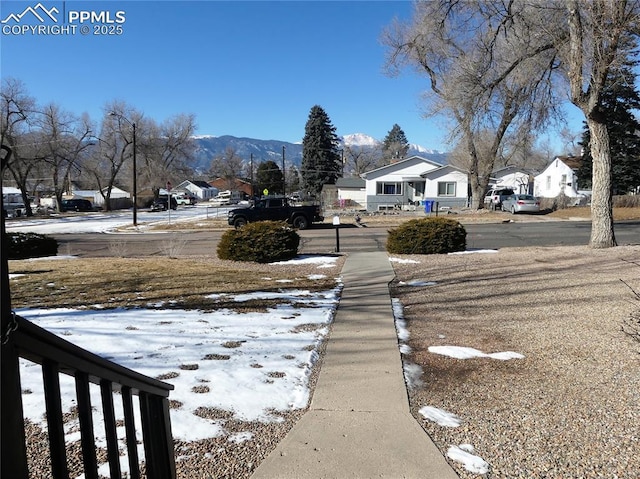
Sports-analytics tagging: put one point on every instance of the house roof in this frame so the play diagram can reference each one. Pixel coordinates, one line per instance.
(399, 165)
(443, 167)
(198, 183)
(350, 182)
(573, 162)
(512, 168)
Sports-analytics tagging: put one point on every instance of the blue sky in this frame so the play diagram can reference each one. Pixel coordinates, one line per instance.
(242, 68)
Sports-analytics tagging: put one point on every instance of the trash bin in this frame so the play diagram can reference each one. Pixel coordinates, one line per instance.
(428, 206)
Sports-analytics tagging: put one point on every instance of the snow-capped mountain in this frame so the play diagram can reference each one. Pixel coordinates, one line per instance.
(209, 147)
(359, 139)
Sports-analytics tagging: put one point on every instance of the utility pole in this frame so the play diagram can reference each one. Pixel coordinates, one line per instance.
(284, 183)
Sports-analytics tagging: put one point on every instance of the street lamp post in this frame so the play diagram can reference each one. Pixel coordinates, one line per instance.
(284, 183)
(134, 193)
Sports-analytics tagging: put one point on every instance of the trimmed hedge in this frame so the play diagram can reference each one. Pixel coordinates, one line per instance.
(260, 242)
(427, 236)
(29, 245)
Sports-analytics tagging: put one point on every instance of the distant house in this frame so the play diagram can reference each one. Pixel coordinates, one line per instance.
(399, 185)
(521, 180)
(200, 189)
(235, 184)
(118, 197)
(352, 192)
(560, 177)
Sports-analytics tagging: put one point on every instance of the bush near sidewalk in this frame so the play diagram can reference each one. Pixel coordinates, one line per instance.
(427, 236)
(260, 242)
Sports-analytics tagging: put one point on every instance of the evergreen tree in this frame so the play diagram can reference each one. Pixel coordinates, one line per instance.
(395, 144)
(269, 177)
(620, 99)
(320, 154)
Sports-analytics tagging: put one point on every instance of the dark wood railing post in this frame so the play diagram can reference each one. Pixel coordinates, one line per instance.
(12, 439)
(158, 444)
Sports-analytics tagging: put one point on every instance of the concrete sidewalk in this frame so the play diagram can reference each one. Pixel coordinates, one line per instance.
(359, 424)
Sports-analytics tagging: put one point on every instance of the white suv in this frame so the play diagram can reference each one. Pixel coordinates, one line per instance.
(493, 198)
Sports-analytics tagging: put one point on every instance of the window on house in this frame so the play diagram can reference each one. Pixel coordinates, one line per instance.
(388, 188)
(447, 188)
(548, 182)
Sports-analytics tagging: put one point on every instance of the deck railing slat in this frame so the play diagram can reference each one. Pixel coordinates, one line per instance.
(113, 452)
(55, 425)
(85, 415)
(130, 428)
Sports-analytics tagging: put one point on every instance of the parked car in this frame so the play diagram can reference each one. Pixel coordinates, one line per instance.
(494, 197)
(521, 204)
(185, 199)
(276, 209)
(76, 204)
(161, 202)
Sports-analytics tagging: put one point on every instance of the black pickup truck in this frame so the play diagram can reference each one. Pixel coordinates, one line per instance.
(276, 209)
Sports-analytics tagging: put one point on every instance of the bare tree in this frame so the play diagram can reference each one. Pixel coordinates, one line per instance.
(165, 150)
(485, 74)
(113, 149)
(360, 159)
(17, 116)
(229, 167)
(65, 141)
(595, 31)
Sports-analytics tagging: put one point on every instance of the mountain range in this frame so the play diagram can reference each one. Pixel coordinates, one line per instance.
(209, 147)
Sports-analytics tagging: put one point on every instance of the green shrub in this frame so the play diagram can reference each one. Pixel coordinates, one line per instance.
(260, 242)
(427, 236)
(30, 245)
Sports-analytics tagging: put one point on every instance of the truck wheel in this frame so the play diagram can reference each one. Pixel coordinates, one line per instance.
(300, 222)
(239, 222)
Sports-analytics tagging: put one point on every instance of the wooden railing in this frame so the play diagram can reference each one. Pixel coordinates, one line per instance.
(22, 339)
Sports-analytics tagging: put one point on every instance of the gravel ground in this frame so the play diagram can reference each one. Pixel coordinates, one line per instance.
(571, 407)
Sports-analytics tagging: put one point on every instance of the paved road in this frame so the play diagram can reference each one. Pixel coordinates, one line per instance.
(351, 239)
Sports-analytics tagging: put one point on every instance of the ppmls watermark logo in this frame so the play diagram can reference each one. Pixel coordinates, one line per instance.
(41, 20)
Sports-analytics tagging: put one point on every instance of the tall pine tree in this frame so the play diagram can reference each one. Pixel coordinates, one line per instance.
(619, 100)
(320, 155)
(269, 177)
(395, 144)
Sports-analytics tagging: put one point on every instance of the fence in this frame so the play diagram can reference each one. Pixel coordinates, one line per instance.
(22, 339)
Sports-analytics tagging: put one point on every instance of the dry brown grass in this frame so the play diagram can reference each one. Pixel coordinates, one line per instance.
(467, 216)
(619, 214)
(153, 282)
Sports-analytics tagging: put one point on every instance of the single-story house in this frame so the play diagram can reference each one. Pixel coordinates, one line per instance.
(520, 180)
(235, 184)
(351, 192)
(399, 185)
(559, 177)
(96, 197)
(200, 189)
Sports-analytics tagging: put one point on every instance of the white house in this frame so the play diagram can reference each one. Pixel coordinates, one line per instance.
(447, 186)
(397, 185)
(520, 180)
(352, 192)
(559, 177)
(96, 197)
(200, 189)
